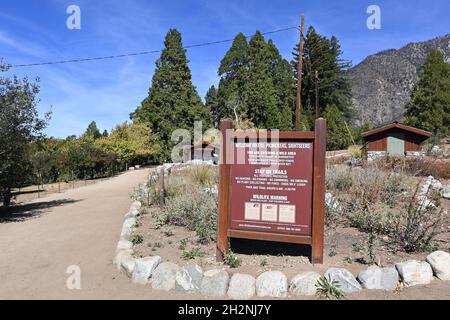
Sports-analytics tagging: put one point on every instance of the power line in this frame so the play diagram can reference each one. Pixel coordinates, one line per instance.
(139, 53)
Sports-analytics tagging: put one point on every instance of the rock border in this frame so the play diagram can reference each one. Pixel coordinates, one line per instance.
(217, 283)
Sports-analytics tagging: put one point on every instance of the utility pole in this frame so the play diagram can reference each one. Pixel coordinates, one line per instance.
(298, 107)
(317, 95)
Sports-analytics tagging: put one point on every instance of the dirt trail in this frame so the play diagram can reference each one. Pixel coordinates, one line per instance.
(81, 227)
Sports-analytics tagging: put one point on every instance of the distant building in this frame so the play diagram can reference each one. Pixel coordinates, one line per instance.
(394, 139)
(201, 152)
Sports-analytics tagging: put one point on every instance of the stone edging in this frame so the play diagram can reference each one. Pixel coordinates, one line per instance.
(217, 283)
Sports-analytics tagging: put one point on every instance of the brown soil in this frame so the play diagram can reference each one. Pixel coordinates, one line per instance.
(170, 242)
(40, 239)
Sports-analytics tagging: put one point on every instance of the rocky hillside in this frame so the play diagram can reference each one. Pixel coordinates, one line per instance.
(382, 83)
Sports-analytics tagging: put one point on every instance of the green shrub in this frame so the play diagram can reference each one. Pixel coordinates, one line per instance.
(264, 263)
(196, 210)
(231, 259)
(329, 290)
(137, 239)
(192, 254)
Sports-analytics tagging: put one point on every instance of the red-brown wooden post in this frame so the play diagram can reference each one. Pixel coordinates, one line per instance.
(320, 148)
(224, 181)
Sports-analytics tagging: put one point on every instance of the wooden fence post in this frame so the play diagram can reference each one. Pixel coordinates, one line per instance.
(320, 148)
(224, 180)
(162, 189)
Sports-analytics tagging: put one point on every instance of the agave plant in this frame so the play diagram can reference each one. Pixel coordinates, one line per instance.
(329, 290)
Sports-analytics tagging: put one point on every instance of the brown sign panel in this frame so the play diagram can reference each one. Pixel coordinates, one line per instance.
(272, 187)
(271, 191)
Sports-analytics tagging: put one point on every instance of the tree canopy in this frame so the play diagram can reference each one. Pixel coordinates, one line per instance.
(256, 84)
(172, 102)
(19, 124)
(429, 107)
(324, 55)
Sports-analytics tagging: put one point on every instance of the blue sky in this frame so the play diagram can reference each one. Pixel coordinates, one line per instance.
(107, 91)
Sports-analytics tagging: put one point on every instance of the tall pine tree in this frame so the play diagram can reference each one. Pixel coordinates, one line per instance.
(323, 55)
(212, 105)
(429, 107)
(233, 73)
(283, 81)
(173, 101)
(338, 133)
(260, 94)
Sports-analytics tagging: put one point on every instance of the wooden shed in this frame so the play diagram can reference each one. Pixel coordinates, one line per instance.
(203, 152)
(395, 139)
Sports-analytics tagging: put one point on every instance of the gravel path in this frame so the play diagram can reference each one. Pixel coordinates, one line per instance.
(79, 227)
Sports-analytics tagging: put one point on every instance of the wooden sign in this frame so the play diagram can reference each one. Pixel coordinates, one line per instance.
(272, 187)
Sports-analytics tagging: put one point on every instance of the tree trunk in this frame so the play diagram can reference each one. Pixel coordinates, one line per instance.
(7, 195)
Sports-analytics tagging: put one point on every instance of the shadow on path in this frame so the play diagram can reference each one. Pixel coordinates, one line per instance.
(245, 246)
(18, 213)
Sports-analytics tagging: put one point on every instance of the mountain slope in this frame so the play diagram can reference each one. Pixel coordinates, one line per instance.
(382, 83)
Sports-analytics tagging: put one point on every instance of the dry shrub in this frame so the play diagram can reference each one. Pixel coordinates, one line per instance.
(196, 210)
(190, 200)
(418, 224)
(203, 175)
(438, 168)
(339, 178)
(380, 202)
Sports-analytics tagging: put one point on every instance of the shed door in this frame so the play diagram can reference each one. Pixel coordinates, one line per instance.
(396, 144)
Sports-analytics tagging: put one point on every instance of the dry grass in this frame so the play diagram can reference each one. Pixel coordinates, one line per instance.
(381, 201)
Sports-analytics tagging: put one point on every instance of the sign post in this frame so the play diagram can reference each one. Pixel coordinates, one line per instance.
(272, 187)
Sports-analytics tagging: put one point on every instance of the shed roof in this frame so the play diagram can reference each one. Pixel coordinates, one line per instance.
(397, 125)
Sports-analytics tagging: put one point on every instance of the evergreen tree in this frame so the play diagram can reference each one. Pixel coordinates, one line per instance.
(283, 81)
(212, 105)
(260, 94)
(429, 107)
(338, 135)
(233, 72)
(173, 101)
(324, 55)
(92, 131)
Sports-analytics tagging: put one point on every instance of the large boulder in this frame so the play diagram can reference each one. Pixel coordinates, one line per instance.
(440, 263)
(133, 213)
(415, 272)
(377, 278)
(189, 278)
(126, 232)
(144, 268)
(121, 255)
(344, 278)
(136, 205)
(445, 192)
(127, 264)
(242, 287)
(124, 245)
(163, 277)
(304, 284)
(272, 284)
(215, 283)
(130, 222)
